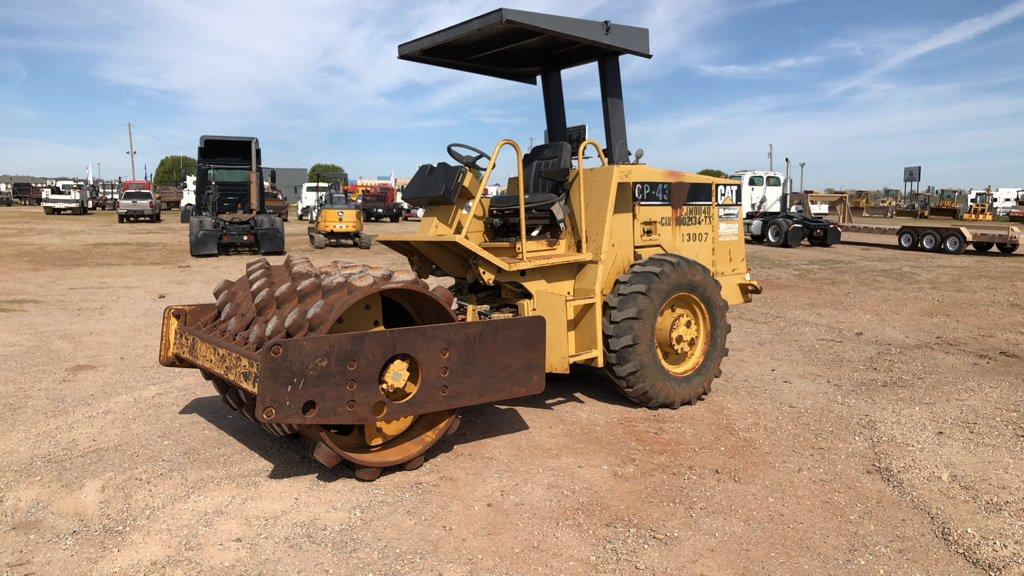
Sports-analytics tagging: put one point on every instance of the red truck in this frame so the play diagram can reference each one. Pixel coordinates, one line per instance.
(379, 203)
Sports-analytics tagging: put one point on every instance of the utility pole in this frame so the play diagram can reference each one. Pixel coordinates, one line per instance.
(99, 170)
(131, 149)
(802, 177)
(771, 157)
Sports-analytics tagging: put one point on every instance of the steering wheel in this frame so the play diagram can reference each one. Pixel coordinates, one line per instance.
(467, 160)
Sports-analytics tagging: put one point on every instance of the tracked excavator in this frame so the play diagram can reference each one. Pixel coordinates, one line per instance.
(607, 263)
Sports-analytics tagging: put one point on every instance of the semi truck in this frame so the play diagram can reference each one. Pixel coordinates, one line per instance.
(769, 219)
(311, 193)
(230, 211)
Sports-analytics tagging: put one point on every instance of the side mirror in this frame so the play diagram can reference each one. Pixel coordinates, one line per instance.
(273, 176)
(638, 155)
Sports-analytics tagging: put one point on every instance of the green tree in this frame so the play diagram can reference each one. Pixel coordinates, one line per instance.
(713, 173)
(322, 168)
(173, 169)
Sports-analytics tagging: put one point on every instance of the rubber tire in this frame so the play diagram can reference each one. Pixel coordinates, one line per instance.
(120, 219)
(961, 244)
(912, 240)
(781, 226)
(982, 246)
(819, 242)
(47, 210)
(158, 216)
(395, 218)
(1007, 248)
(631, 357)
(937, 241)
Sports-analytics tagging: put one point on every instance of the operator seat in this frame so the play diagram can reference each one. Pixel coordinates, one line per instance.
(552, 160)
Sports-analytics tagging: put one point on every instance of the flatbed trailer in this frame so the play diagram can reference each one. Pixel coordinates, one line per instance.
(951, 237)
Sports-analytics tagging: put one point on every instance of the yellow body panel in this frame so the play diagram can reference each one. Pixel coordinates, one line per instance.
(565, 280)
(334, 221)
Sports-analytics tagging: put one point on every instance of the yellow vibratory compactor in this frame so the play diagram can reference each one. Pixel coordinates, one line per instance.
(605, 262)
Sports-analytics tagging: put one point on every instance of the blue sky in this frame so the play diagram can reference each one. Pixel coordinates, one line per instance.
(857, 90)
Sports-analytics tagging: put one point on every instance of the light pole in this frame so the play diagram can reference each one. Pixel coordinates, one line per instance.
(99, 170)
(802, 177)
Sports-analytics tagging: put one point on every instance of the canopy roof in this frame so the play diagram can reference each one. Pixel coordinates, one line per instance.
(519, 45)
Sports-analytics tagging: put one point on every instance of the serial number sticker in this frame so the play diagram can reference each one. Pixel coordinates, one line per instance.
(693, 216)
(730, 213)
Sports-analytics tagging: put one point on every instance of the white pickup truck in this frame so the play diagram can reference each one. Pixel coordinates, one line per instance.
(65, 196)
(136, 205)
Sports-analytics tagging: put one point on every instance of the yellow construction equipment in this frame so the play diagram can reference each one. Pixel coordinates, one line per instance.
(980, 208)
(606, 263)
(337, 222)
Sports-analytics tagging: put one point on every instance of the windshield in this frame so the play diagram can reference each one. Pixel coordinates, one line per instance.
(137, 195)
(228, 175)
(336, 200)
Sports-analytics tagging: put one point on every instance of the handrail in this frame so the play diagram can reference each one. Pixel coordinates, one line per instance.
(583, 196)
(519, 181)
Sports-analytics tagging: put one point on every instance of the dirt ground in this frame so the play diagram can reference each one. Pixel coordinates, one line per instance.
(869, 421)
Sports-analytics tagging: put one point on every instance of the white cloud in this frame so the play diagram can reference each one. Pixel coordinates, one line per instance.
(739, 70)
(961, 136)
(950, 36)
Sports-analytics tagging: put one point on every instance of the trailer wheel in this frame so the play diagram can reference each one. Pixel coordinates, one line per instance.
(982, 246)
(1006, 248)
(907, 239)
(955, 243)
(931, 241)
(775, 234)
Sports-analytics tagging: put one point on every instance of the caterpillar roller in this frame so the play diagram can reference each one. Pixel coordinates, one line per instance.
(590, 258)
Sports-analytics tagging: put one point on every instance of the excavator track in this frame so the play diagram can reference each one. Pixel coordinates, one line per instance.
(296, 299)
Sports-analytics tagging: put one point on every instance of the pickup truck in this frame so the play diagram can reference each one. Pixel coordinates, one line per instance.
(379, 203)
(136, 205)
(65, 196)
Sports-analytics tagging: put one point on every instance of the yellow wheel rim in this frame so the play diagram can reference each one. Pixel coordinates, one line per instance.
(682, 334)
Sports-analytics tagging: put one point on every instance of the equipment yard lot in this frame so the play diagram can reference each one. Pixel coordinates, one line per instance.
(870, 419)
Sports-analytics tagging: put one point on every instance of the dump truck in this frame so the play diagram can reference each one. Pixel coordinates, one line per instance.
(615, 266)
(230, 211)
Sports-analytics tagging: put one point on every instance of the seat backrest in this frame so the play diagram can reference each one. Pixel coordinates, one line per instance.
(551, 156)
